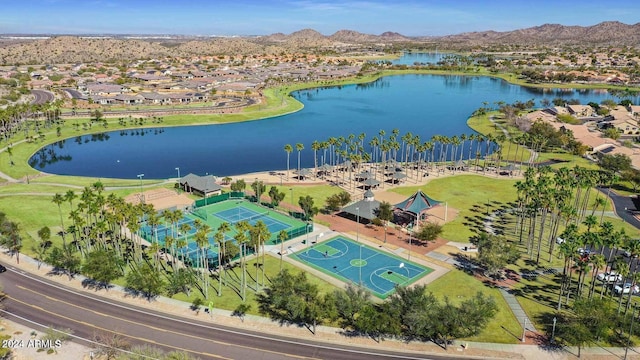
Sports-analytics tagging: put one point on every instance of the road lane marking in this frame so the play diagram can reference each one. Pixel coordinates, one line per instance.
(118, 333)
(160, 329)
(229, 329)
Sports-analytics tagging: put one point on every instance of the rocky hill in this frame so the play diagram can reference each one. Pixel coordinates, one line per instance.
(605, 33)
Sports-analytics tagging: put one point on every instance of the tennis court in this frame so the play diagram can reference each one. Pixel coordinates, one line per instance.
(238, 214)
(236, 210)
(350, 261)
(213, 215)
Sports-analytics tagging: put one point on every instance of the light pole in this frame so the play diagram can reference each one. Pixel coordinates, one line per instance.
(358, 223)
(360, 266)
(553, 330)
(178, 169)
(140, 176)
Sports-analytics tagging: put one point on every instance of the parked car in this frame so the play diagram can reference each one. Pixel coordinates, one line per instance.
(559, 240)
(2, 268)
(610, 277)
(626, 288)
(585, 252)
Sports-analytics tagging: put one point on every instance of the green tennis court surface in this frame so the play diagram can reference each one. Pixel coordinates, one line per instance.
(353, 262)
(230, 211)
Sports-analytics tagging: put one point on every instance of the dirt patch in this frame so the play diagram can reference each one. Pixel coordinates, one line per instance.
(161, 199)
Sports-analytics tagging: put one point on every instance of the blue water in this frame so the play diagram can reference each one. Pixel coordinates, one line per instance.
(425, 105)
(419, 58)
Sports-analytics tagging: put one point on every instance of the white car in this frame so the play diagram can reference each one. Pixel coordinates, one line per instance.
(585, 252)
(626, 288)
(610, 277)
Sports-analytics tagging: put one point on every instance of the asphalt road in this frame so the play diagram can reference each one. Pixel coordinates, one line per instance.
(623, 206)
(51, 304)
(41, 96)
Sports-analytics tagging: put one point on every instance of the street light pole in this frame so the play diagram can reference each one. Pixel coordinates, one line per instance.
(178, 169)
(140, 176)
(553, 330)
(360, 266)
(292, 204)
(357, 225)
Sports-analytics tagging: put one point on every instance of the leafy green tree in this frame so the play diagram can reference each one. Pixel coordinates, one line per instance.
(349, 303)
(293, 299)
(336, 201)
(146, 279)
(615, 163)
(103, 266)
(40, 249)
(180, 280)
(495, 252)
(591, 320)
(65, 260)
(259, 188)
(306, 204)
(276, 196)
(385, 211)
(239, 185)
(612, 133)
(377, 320)
(428, 232)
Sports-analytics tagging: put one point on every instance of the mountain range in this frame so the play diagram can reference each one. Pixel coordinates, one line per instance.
(65, 49)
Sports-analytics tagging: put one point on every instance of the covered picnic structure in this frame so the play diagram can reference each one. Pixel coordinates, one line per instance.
(365, 209)
(414, 207)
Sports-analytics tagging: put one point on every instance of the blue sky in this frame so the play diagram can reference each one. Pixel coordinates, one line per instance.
(261, 17)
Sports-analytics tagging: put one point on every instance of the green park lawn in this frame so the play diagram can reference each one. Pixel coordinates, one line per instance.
(469, 194)
(87, 181)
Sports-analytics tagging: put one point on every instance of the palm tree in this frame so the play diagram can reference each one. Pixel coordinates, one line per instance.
(70, 196)
(288, 149)
(299, 148)
(241, 238)
(315, 146)
(203, 243)
(222, 253)
(259, 234)
(58, 200)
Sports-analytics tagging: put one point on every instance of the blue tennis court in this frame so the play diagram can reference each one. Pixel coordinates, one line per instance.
(164, 230)
(238, 214)
(349, 261)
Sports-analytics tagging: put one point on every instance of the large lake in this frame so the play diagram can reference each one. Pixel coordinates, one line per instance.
(425, 105)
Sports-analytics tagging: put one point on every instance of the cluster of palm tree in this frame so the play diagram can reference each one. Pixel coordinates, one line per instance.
(26, 117)
(343, 155)
(549, 199)
(108, 223)
(556, 207)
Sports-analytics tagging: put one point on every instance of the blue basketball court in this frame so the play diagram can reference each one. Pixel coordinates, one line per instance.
(353, 262)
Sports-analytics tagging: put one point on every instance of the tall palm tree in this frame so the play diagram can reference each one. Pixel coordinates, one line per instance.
(222, 251)
(299, 148)
(241, 239)
(202, 242)
(58, 200)
(288, 149)
(315, 146)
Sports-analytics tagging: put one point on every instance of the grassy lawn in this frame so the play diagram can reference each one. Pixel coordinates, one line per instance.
(458, 286)
(319, 193)
(470, 195)
(86, 181)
